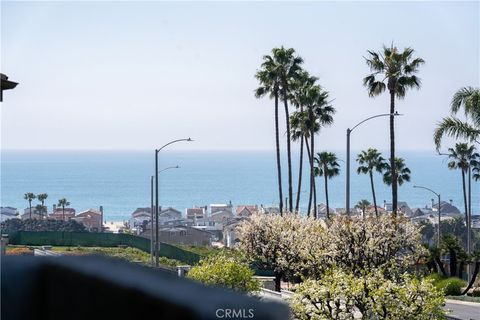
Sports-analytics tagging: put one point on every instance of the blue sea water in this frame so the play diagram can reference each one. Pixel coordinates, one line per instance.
(120, 180)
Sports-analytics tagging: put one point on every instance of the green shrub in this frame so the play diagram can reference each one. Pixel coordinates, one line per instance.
(451, 286)
(228, 271)
(435, 277)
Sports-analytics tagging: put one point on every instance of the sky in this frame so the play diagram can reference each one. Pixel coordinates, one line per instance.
(135, 75)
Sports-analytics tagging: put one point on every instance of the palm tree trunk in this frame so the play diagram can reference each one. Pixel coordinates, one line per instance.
(311, 184)
(312, 175)
(279, 168)
(63, 213)
(289, 155)
(297, 202)
(453, 263)
(30, 205)
(465, 201)
(325, 175)
(472, 278)
(373, 193)
(392, 153)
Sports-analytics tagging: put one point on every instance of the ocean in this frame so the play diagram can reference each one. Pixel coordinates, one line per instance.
(120, 180)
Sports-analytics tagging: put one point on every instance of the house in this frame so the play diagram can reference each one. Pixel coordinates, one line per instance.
(246, 210)
(180, 222)
(91, 219)
(269, 210)
(8, 213)
(322, 209)
(230, 232)
(140, 217)
(446, 207)
(196, 213)
(58, 214)
(221, 207)
(402, 207)
(168, 214)
(181, 235)
(34, 215)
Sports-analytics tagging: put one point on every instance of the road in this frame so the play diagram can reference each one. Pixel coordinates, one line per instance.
(463, 310)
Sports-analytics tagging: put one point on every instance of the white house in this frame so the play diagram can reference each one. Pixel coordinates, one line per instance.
(168, 214)
(8, 213)
(220, 207)
(230, 238)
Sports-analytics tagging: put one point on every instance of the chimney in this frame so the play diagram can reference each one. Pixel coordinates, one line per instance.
(433, 203)
(54, 208)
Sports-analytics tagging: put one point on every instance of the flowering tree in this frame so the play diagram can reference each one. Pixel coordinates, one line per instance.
(343, 295)
(283, 244)
(359, 245)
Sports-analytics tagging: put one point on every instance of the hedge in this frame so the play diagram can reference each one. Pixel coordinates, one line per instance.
(91, 239)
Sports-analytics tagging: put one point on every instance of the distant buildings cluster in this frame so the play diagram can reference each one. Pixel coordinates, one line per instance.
(198, 225)
(91, 218)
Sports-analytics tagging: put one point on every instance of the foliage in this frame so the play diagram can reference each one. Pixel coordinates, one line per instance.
(200, 250)
(359, 245)
(296, 246)
(403, 173)
(451, 286)
(18, 251)
(225, 271)
(14, 225)
(468, 99)
(287, 245)
(128, 254)
(370, 295)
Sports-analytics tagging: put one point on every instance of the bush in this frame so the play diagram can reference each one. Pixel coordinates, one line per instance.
(225, 271)
(451, 286)
(14, 225)
(343, 295)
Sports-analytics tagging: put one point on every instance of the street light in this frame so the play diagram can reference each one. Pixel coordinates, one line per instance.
(439, 211)
(151, 211)
(349, 131)
(156, 194)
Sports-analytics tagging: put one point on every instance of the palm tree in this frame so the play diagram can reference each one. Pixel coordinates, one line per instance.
(40, 209)
(395, 71)
(288, 69)
(403, 173)
(363, 205)
(468, 99)
(369, 161)
(319, 114)
(269, 85)
(42, 197)
(29, 196)
(298, 120)
(462, 157)
(327, 167)
(63, 203)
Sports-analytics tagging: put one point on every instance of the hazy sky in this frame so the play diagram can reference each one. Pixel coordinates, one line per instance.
(125, 75)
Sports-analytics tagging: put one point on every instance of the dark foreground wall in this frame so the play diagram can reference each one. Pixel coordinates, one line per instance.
(97, 288)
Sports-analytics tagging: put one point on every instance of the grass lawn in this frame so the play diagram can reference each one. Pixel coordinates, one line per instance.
(128, 254)
(464, 298)
(200, 250)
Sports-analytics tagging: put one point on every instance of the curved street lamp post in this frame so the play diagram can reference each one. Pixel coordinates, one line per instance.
(439, 211)
(156, 195)
(349, 131)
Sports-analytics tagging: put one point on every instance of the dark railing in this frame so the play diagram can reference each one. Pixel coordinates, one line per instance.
(79, 288)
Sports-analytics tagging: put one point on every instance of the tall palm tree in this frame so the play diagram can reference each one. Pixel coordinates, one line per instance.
(468, 99)
(327, 167)
(42, 197)
(461, 157)
(40, 209)
(370, 161)
(298, 119)
(269, 79)
(394, 71)
(363, 205)
(63, 203)
(29, 196)
(319, 114)
(289, 67)
(403, 173)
